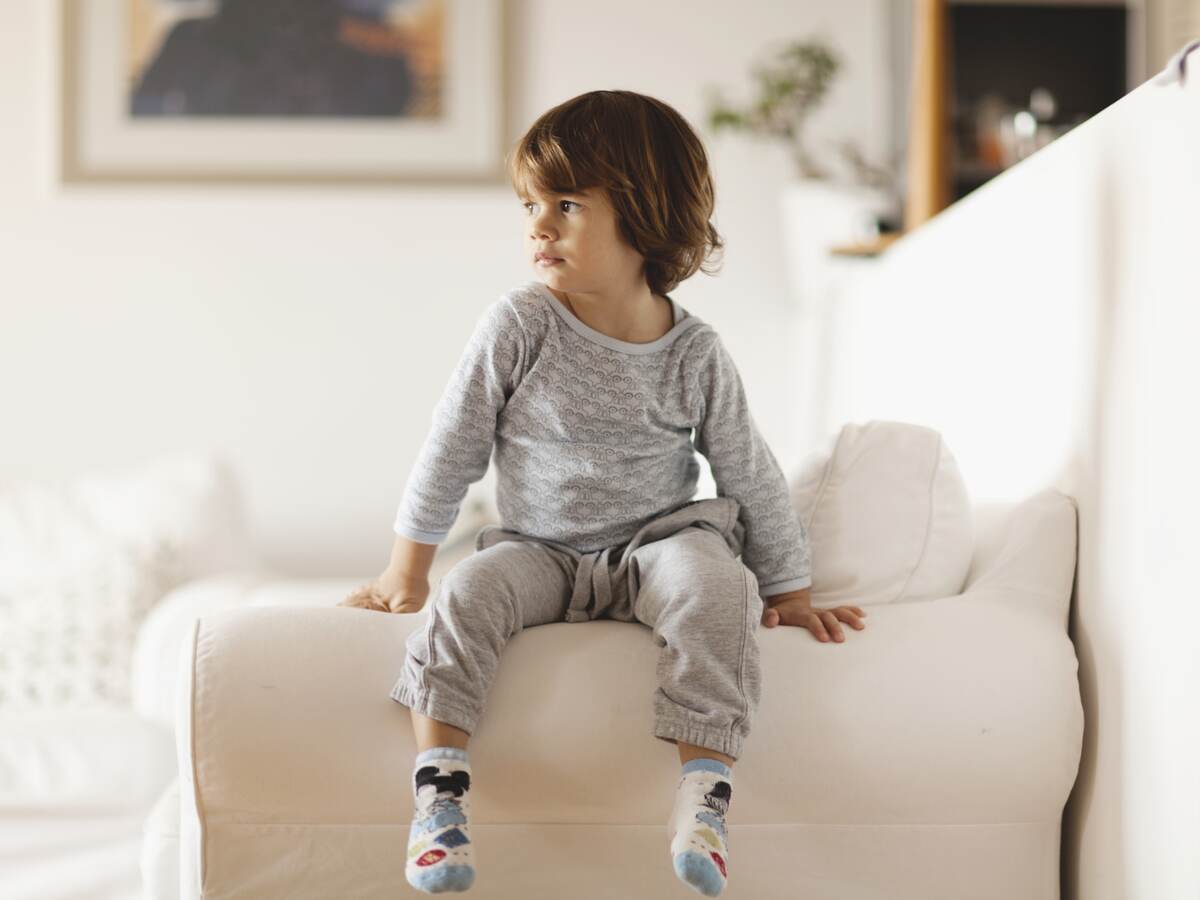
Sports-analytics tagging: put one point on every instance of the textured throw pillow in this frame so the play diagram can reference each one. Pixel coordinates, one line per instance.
(83, 561)
(888, 516)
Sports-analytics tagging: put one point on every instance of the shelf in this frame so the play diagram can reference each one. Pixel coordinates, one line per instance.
(870, 248)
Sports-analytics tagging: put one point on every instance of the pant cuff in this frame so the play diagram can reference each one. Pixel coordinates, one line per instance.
(430, 704)
(718, 739)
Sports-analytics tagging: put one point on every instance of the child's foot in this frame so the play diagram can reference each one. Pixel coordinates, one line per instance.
(441, 856)
(699, 844)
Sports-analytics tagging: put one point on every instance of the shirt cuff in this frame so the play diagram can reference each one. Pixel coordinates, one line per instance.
(418, 535)
(785, 587)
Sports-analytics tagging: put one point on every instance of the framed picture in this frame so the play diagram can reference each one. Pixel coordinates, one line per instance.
(338, 91)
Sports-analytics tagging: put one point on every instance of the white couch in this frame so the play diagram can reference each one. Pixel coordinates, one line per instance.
(78, 785)
(79, 777)
(928, 756)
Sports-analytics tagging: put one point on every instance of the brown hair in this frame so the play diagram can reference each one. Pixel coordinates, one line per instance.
(649, 162)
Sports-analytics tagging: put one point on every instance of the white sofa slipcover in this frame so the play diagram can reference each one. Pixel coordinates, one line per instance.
(928, 756)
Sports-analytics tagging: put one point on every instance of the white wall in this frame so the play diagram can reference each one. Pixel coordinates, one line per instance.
(307, 333)
(1046, 325)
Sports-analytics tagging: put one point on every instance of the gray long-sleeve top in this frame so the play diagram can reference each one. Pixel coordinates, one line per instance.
(593, 436)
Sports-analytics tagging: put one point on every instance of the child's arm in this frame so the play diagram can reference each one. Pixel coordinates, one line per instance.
(459, 445)
(455, 454)
(404, 585)
(775, 545)
(411, 559)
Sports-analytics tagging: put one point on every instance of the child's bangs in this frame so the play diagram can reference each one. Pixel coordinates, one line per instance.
(546, 167)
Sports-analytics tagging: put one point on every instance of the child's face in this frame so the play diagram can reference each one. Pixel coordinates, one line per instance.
(580, 229)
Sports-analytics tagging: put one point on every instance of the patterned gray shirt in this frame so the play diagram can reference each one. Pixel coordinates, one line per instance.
(593, 436)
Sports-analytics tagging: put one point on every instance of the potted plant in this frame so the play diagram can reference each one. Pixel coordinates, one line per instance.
(821, 207)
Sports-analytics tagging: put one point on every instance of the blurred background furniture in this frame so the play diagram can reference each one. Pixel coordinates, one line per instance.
(97, 578)
(83, 562)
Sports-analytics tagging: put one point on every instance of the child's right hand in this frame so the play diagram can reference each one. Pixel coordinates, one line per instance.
(390, 592)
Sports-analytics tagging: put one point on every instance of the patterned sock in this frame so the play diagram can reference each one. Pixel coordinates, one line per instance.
(441, 856)
(699, 841)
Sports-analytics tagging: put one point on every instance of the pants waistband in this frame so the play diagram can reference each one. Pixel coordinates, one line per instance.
(594, 575)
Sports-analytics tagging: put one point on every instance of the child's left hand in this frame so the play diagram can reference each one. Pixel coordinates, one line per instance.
(795, 608)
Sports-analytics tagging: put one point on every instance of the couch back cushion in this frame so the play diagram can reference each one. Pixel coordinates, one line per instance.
(84, 560)
(888, 515)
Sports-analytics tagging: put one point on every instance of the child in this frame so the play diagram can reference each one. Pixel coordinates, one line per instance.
(588, 382)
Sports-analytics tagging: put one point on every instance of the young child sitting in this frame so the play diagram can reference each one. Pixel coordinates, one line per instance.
(588, 383)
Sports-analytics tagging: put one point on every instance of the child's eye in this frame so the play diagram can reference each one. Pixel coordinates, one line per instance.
(529, 204)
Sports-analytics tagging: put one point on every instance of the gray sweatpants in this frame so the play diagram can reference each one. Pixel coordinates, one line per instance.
(679, 574)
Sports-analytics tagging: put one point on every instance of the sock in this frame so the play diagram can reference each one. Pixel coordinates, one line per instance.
(441, 856)
(699, 841)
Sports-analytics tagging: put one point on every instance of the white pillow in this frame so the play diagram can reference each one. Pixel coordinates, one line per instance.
(83, 561)
(887, 514)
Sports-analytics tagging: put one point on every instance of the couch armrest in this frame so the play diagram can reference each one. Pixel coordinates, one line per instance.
(939, 712)
(156, 648)
(156, 651)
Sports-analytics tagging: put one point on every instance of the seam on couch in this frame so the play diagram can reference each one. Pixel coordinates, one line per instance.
(200, 815)
(731, 825)
(858, 825)
(937, 462)
(825, 476)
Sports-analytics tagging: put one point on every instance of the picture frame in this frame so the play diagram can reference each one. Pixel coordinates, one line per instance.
(202, 102)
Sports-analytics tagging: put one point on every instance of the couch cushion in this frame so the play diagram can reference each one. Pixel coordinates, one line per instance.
(80, 763)
(294, 725)
(72, 856)
(84, 560)
(887, 514)
(160, 847)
